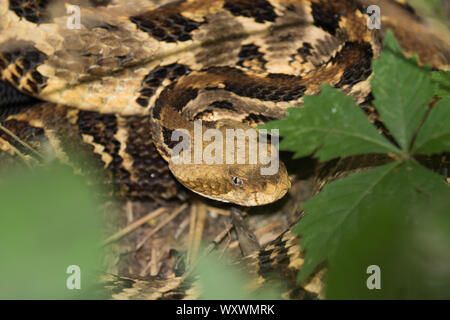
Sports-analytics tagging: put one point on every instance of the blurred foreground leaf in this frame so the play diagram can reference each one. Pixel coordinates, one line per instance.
(412, 255)
(224, 282)
(47, 223)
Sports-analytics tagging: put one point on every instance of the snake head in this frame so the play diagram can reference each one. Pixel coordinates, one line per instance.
(239, 184)
(237, 164)
(248, 187)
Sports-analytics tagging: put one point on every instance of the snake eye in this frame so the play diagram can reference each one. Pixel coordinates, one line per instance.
(237, 181)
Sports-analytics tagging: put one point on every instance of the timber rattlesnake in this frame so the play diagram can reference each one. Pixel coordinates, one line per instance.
(132, 72)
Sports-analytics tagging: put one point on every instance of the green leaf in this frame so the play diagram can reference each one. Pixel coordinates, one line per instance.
(442, 81)
(434, 136)
(232, 284)
(332, 124)
(402, 91)
(336, 213)
(411, 254)
(48, 222)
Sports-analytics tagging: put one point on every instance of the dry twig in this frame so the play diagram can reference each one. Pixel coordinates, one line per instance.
(134, 225)
(161, 224)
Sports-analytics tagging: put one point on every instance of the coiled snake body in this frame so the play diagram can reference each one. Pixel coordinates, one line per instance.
(127, 76)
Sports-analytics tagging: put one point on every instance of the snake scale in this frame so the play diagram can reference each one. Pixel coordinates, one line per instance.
(117, 85)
